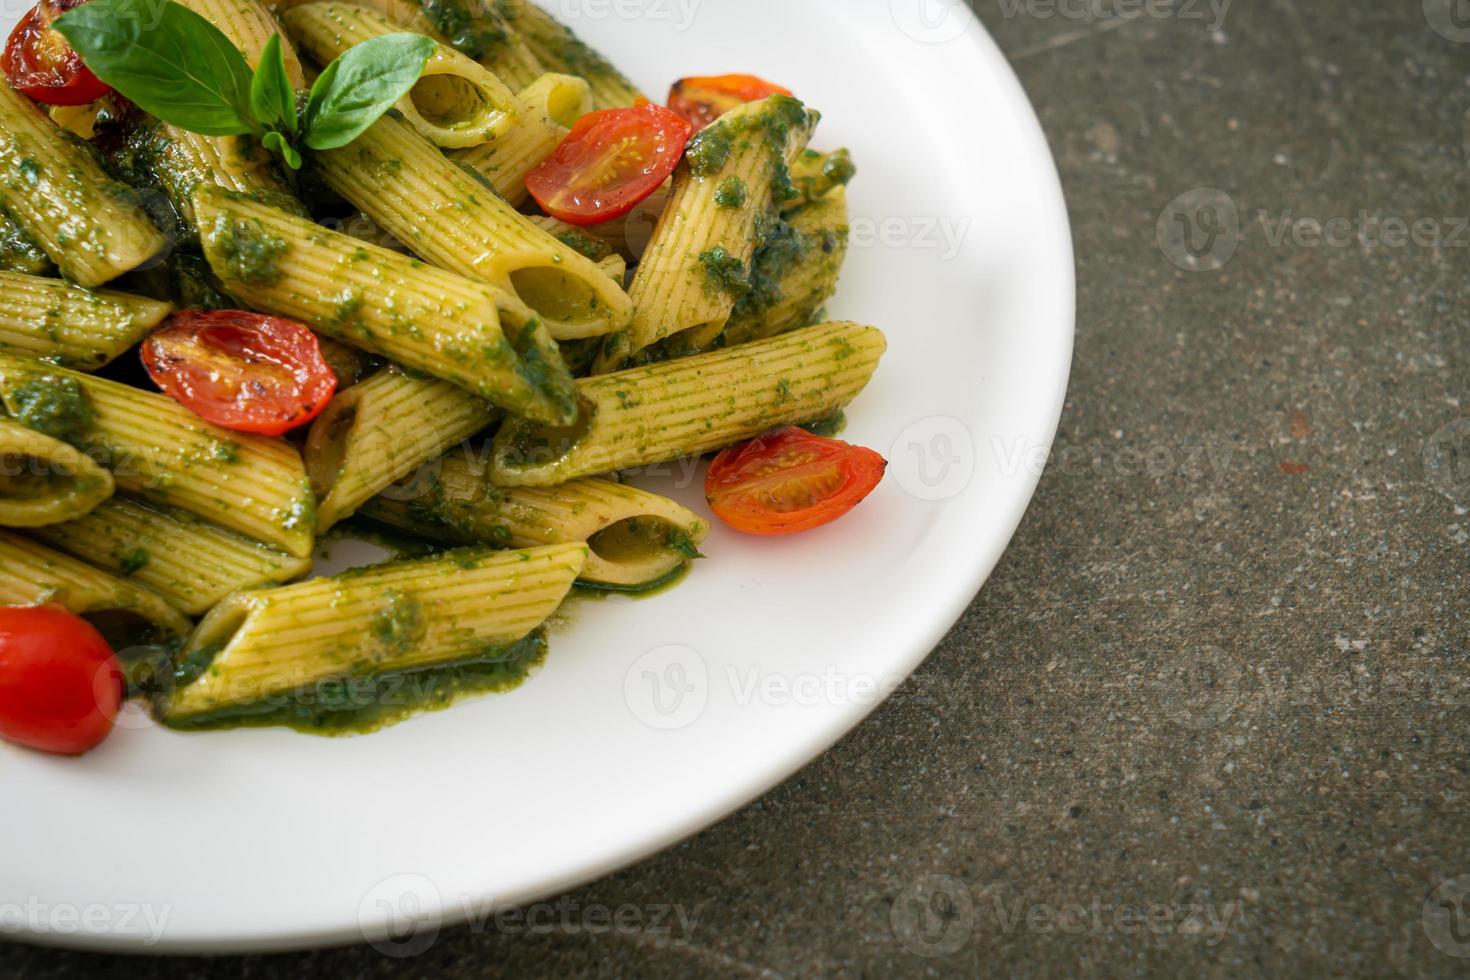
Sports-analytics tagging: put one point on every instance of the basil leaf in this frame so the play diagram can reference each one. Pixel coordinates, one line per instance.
(167, 59)
(361, 85)
(281, 147)
(272, 97)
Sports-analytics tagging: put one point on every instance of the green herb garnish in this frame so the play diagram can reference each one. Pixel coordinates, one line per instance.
(182, 69)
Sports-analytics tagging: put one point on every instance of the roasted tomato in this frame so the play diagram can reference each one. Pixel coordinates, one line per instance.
(60, 684)
(38, 62)
(609, 162)
(790, 480)
(243, 371)
(705, 98)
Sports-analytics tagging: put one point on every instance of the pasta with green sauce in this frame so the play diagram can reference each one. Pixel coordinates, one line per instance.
(432, 273)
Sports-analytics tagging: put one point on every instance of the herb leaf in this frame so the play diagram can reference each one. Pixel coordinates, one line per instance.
(272, 97)
(169, 60)
(281, 147)
(361, 85)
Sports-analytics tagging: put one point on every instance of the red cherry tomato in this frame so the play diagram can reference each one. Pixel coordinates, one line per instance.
(609, 162)
(38, 62)
(704, 98)
(60, 685)
(243, 371)
(790, 480)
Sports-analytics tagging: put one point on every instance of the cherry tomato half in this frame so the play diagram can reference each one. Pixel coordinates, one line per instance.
(38, 62)
(609, 162)
(704, 98)
(60, 684)
(790, 480)
(243, 371)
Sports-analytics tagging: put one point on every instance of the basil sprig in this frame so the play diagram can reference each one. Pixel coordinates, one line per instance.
(182, 69)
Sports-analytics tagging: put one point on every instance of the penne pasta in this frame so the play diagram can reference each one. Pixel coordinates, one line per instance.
(549, 107)
(188, 561)
(428, 320)
(269, 644)
(70, 325)
(686, 407)
(697, 264)
(380, 431)
(560, 50)
(32, 575)
(44, 480)
(456, 103)
(157, 448)
(53, 187)
(19, 252)
(450, 219)
(635, 538)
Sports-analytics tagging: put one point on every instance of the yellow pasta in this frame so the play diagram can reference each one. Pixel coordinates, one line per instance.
(694, 405)
(73, 326)
(44, 480)
(456, 103)
(156, 447)
(549, 107)
(560, 50)
(401, 616)
(188, 561)
(635, 538)
(33, 575)
(381, 430)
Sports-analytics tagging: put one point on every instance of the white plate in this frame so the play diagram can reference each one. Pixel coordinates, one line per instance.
(268, 839)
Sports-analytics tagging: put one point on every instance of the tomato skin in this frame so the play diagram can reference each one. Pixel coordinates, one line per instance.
(60, 684)
(608, 163)
(790, 481)
(39, 63)
(702, 99)
(247, 372)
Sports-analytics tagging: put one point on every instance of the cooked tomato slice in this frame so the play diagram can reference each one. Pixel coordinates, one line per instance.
(609, 162)
(243, 371)
(38, 62)
(790, 480)
(704, 98)
(60, 684)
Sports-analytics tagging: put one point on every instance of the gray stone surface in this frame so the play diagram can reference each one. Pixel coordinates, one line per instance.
(1223, 675)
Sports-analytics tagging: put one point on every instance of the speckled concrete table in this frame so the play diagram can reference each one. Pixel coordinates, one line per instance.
(1212, 713)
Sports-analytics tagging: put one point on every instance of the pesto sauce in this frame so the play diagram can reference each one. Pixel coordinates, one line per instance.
(367, 703)
(471, 29)
(55, 406)
(724, 272)
(133, 561)
(731, 194)
(251, 253)
(647, 590)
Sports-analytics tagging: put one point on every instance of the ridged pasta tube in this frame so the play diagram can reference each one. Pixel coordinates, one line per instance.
(558, 49)
(75, 327)
(693, 405)
(635, 537)
(51, 184)
(698, 262)
(190, 562)
(400, 616)
(549, 107)
(449, 219)
(32, 575)
(44, 480)
(379, 431)
(156, 447)
(456, 102)
(19, 252)
(425, 319)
